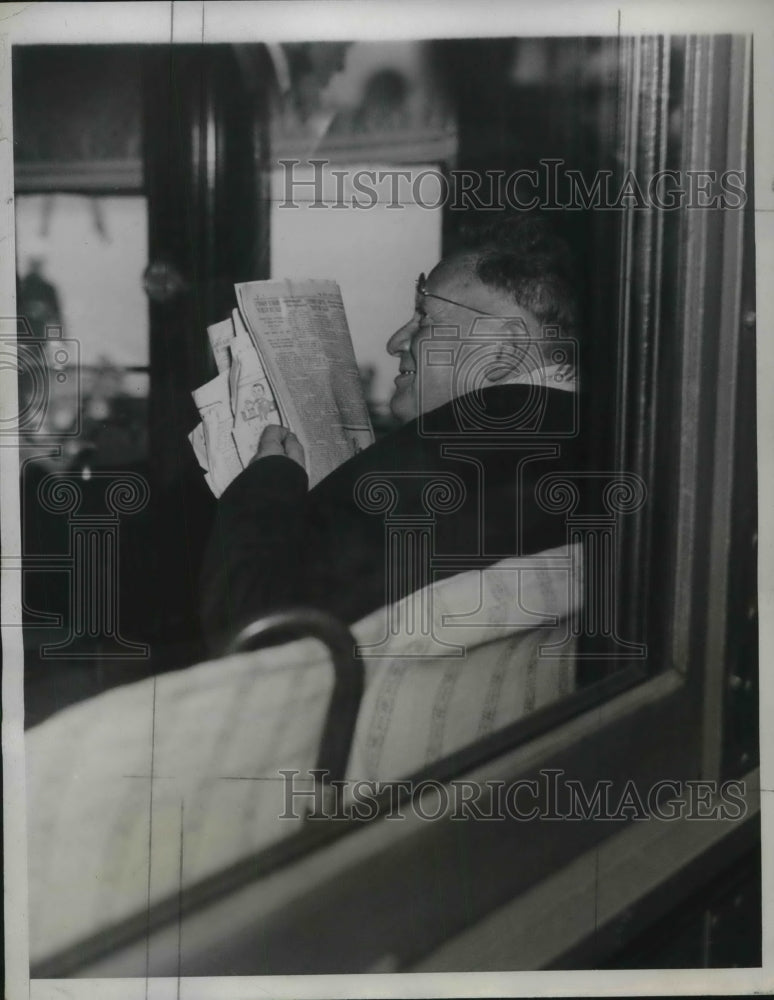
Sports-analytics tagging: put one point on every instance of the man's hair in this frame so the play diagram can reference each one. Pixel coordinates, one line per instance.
(523, 256)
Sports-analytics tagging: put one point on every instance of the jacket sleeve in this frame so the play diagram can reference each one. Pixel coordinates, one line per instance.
(253, 562)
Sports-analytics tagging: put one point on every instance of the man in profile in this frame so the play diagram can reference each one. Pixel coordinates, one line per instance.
(485, 396)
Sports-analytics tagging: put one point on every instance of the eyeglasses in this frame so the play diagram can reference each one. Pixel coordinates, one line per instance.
(421, 289)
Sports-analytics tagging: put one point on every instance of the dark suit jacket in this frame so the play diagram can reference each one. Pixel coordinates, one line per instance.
(275, 544)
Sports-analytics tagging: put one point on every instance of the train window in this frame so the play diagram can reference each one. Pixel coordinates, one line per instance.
(607, 656)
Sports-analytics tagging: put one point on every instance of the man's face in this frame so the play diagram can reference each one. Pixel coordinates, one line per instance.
(423, 387)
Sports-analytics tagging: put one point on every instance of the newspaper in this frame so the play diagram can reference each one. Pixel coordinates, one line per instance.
(300, 328)
(252, 401)
(221, 335)
(223, 462)
(284, 357)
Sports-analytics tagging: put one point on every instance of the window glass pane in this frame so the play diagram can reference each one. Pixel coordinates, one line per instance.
(80, 260)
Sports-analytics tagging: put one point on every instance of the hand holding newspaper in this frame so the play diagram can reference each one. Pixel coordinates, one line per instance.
(285, 357)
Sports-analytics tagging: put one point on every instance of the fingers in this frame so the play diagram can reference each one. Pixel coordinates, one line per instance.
(294, 449)
(276, 440)
(273, 434)
(271, 442)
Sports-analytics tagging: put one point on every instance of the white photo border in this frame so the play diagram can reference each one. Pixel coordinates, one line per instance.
(75, 23)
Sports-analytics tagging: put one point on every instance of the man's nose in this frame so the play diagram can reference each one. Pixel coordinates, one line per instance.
(401, 339)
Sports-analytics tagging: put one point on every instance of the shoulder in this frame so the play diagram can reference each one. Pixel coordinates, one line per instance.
(505, 410)
(507, 413)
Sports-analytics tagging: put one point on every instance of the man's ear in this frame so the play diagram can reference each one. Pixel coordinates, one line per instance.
(513, 354)
(516, 328)
(507, 361)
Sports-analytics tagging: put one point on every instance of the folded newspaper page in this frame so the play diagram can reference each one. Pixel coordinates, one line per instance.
(212, 401)
(235, 406)
(285, 356)
(300, 330)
